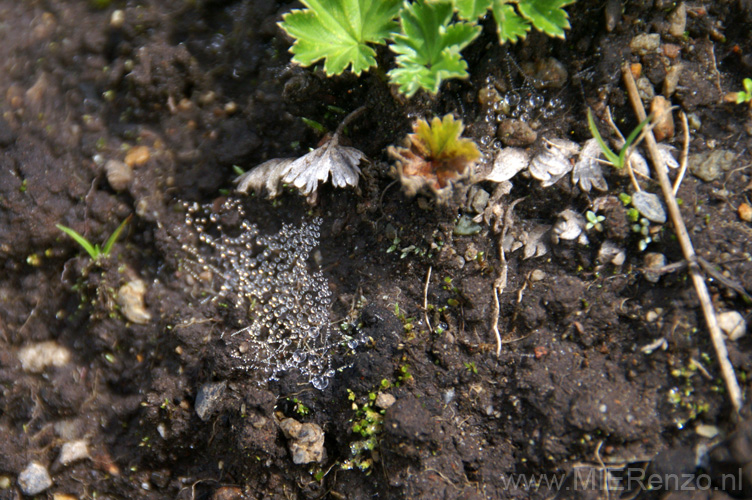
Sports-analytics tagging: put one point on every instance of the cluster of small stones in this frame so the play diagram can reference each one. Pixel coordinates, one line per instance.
(267, 277)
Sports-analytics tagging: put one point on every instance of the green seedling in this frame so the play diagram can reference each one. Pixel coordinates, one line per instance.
(594, 221)
(617, 160)
(95, 251)
(745, 95)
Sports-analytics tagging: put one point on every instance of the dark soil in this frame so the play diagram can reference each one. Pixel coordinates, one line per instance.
(207, 85)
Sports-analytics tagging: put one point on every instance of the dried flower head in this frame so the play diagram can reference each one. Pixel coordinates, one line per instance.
(434, 156)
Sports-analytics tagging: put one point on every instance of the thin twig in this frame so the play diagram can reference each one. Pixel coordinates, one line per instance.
(684, 154)
(425, 299)
(501, 281)
(727, 370)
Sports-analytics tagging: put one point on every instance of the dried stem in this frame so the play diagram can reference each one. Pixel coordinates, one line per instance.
(727, 370)
(684, 154)
(425, 299)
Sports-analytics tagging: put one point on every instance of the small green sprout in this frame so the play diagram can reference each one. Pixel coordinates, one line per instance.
(300, 408)
(95, 251)
(471, 367)
(594, 221)
(745, 95)
(617, 160)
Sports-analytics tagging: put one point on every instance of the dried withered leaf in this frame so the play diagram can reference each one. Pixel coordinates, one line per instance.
(267, 176)
(434, 155)
(341, 162)
(331, 158)
(508, 163)
(587, 171)
(553, 163)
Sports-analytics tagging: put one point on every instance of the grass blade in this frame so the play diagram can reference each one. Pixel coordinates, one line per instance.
(114, 236)
(90, 249)
(610, 155)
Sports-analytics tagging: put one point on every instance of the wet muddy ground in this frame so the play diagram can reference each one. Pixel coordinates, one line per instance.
(166, 369)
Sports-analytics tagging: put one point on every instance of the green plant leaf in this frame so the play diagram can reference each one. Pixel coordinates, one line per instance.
(93, 250)
(510, 26)
(547, 16)
(471, 10)
(338, 31)
(632, 136)
(429, 47)
(114, 236)
(610, 155)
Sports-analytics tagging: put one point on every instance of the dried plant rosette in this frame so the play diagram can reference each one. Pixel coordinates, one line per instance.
(434, 157)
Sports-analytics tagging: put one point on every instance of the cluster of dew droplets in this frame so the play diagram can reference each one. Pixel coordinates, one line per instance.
(267, 276)
(523, 104)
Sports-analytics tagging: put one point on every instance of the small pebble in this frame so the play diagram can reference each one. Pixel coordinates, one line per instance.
(651, 261)
(745, 212)
(306, 441)
(649, 205)
(672, 79)
(385, 400)
(34, 479)
(36, 358)
(644, 44)
(117, 19)
(710, 165)
(4, 482)
(131, 300)
(678, 21)
(537, 275)
(732, 324)
(516, 133)
(671, 50)
(645, 89)
(119, 174)
(651, 316)
(663, 119)
(137, 156)
(207, 398)
(480, 200)
(73, 451)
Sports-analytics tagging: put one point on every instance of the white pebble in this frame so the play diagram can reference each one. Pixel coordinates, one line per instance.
(73, 451)
(36, 357)
(34, 479)
(733, 325)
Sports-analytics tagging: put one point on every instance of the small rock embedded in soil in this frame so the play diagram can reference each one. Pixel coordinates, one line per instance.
(34, 479)
(306, 441)
(384, 400)
(732, 324)
(36, 358)
(131, 299)
(119, 174)
(73, 451)
(660, 108)
(745, 212)
(644, 44)
(710, 165)
(207, 398)
(137, 156)
(653, 261)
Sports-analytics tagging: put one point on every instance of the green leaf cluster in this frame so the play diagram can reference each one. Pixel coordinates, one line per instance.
(426, 35)
(94, 250)
(746, 94)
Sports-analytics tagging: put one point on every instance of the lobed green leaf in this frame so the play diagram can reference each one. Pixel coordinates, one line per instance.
(547, 16)
(509, 25)
(339, 32)
(429, 47)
